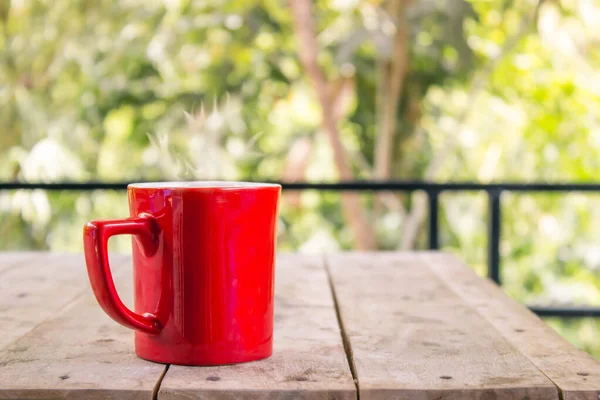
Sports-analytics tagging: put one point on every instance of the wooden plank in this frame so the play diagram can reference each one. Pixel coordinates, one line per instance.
(13, 259)
(575, 372)
(79, 353)
(411, 337)
(308, 359)
(37, 288)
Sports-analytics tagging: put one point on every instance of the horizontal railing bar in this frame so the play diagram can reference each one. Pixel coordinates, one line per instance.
(432, 188)
(69, 186)
(566, 312)
(375, 186)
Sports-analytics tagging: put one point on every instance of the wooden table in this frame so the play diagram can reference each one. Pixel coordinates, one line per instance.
(390, 325)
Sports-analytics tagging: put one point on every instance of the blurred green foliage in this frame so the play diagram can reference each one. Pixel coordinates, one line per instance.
(495, 90)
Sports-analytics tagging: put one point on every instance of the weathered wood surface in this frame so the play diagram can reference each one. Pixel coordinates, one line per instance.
(308, 361)
(13, 259)
(412, 337)
(79, 352)
(575, 372)
(418, 325)
(36, 287)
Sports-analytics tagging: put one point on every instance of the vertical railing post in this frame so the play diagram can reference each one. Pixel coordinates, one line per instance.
(495, 228)
(434, 225)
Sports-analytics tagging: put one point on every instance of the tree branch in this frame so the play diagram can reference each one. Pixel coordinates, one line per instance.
(391, 75)
(296, 163)
(354, 213)
(390, 85)
(299, 153)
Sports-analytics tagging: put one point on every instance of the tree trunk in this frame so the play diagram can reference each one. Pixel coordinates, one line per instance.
(295, 169)
(298, 156)
(391, 76)
(354, 213)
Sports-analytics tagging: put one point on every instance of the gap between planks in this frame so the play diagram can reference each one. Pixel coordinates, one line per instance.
(45, 353)
(444, 282)
(345, 339)
(549, 353)
(408, 332)
(156, 388)
(308, 361)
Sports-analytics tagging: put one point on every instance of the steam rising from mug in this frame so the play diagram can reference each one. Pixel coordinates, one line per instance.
(210, 145)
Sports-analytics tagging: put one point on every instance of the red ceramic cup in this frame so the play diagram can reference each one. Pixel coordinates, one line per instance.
(203, 267)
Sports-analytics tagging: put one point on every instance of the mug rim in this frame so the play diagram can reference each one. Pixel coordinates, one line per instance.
(202, 185)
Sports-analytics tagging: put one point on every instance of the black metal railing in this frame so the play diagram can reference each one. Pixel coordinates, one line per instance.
(433, 191)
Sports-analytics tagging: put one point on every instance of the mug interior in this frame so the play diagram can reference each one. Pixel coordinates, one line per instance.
(201, 184)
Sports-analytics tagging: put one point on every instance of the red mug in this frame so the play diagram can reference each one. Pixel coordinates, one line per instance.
(203, 270)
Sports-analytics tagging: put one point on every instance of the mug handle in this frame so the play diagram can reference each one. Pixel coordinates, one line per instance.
(95, 239)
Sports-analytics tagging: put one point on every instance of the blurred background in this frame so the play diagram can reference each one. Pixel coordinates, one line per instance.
(317, 91)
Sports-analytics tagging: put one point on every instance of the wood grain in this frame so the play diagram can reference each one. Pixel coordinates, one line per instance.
(79, 352)
(419, 325)
(36, 288)
(13, 259)
(576, 373)
(308, 360)
(413, 338)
